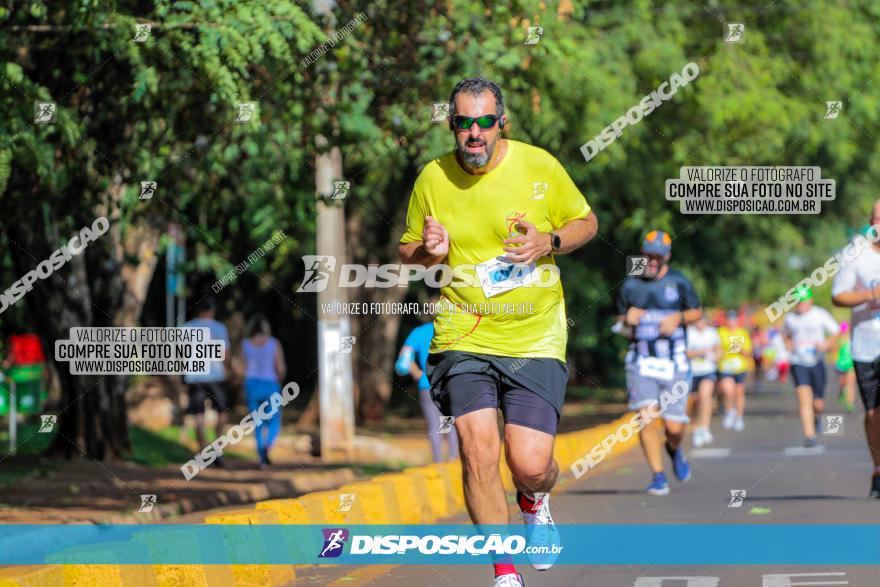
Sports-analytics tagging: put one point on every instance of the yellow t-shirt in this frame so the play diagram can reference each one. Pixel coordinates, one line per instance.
(478, 212)
(738, 340)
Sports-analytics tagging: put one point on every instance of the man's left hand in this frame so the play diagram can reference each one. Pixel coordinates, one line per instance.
(528, 247)
(670, 323)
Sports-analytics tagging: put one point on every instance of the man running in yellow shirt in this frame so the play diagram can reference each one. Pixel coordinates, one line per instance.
(505, 208)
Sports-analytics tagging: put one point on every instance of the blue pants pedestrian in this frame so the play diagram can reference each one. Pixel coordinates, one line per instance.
(258, 391)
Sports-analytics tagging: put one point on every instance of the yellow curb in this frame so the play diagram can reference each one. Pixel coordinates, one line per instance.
(376, 504)
(111, 573)
(164, 541)
(585, 440)
(449, 481)
(323, 507)
(32, 577)
(243, 516)
(451, 472)
(562, 451)
(429, 484)
(506, 474)
(421, 494)
(252, 575)
(289, 511)
(436, 489)
(403, 489)
(192, 575)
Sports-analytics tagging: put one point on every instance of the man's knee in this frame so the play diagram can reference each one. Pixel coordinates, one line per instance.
(531, 467)
(532, 473)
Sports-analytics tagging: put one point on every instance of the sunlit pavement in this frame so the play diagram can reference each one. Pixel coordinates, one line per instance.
(783, 484)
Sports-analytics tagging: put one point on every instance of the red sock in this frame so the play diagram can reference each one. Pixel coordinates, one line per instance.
(504, 566)
(526, 503)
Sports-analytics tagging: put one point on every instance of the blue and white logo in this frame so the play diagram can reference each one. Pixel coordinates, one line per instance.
(334, 542)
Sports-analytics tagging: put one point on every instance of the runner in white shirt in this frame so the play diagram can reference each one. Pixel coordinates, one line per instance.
(857, 286)
(809, 333)
(704, 350)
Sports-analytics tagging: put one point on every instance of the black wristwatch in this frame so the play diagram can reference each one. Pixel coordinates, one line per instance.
(555, 242)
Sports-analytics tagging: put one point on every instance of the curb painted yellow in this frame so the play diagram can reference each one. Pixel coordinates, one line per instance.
(378, 506)
(104, 574)
(254, 575)
(418, 495)
(506, 474)
(322, 507)
(165, 541)
(290, 511)
(435, 487)
(403, 489)
(451, 473)
(32, 577)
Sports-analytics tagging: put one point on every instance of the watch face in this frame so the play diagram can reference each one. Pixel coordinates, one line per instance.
(555, 241)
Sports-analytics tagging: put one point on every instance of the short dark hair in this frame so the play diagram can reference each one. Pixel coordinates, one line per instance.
(206, 304)
(477, 85)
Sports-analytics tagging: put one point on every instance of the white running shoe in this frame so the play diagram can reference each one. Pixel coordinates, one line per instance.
(541, 531)
(739, 425)
(509, 580)
(729, 419)
(707, 437)
(699, 437)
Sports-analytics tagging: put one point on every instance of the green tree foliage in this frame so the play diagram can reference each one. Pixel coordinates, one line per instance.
(164, 110)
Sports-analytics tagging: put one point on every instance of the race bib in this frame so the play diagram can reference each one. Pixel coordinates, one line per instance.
(732, 365)
(656, 368)
(806, 355)
(499, 275)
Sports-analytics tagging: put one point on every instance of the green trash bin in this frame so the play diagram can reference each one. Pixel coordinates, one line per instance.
(29, 390)
(4, 399)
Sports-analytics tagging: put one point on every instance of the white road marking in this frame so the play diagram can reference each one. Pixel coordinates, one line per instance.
(786, 580)
(710, 453)
(690, 581)
(801, 451)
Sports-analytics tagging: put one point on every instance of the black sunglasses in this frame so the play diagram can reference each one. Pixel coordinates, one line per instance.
(466, 122)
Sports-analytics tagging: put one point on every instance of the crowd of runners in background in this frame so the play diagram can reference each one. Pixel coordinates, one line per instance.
(675, 342)
(732, 350)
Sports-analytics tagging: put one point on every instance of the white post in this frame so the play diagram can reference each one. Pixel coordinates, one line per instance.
(335, 389)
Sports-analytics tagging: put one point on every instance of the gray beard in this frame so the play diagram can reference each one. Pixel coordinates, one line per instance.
(475, 161)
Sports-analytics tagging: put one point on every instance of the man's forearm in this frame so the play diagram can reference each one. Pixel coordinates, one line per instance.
(691, 316)
(577, 233)
(414, 253)
(848, 299)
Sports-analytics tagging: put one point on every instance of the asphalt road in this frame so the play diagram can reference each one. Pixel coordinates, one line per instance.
(784, 485)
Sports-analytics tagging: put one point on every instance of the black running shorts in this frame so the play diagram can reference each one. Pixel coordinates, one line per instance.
(529, 392)
(813, 376)
(868, 376)
(199, 392)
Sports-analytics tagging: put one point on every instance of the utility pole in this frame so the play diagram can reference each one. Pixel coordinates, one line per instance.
(335, 345)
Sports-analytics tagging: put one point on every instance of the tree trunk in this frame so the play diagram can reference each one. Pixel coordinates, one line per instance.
(374, 362)
(94, 288)
(373, 237)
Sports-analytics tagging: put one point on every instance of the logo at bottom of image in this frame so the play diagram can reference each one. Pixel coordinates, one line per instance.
(334, 541)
